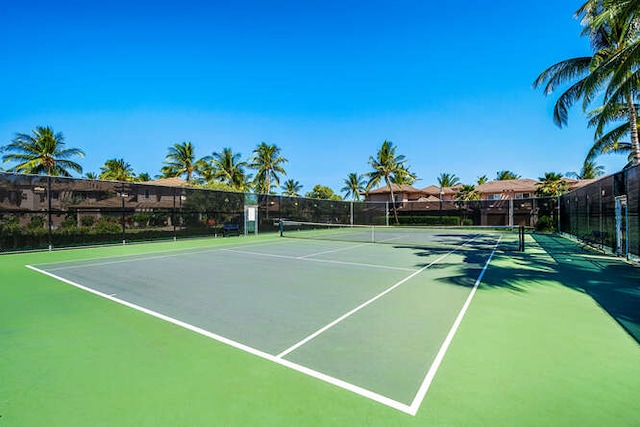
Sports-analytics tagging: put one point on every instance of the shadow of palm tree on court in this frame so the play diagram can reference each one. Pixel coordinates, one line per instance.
(609, 281)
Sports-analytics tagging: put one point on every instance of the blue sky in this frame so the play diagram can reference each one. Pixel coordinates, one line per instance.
(327, 81)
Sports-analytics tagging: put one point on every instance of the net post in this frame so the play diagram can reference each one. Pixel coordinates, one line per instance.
(521, 238)
(281, 227)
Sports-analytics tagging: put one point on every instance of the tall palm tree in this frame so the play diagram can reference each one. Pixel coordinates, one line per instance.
(616, 65)
(40, 152)
(590, 170)
(354, 184)
(467, 192)
(291, 188)
(448, 180)
(386, 165)
(552, 184)
(228, 168)
(607, 75)
(268, 163)
(180, 160)
(91, 175)
(506, 174)
(117, 170)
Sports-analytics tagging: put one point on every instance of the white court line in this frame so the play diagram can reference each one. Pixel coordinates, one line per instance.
(334, 250)
(366, 303)
(424, 387)
(145, 258)
(326, 261)
(302, 369)
(408, 409)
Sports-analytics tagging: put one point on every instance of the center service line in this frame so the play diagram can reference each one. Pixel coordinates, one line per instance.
(366, 303)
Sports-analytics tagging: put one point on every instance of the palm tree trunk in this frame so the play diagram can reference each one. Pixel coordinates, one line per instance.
(268, 189)
(393, 200)
(633, 130)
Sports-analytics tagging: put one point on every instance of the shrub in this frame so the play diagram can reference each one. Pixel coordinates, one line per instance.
(10, 225)
(427, 220)
(106, 226)
(35, 223)
(69, 222)
(87, 221)
(141, 220)
(545, 223)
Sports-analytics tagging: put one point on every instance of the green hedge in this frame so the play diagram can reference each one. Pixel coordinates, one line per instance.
(16, 238)
(432, 220)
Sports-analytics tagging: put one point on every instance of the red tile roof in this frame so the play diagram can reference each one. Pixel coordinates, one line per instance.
(396, 188)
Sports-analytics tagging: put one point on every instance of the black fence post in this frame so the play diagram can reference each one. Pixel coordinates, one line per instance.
(49, 217)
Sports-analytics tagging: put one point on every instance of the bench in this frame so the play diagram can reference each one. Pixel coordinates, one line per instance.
(230, 228)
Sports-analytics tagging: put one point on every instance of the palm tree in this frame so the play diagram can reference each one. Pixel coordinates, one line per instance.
(42, 152)
(180, 160)
(291, 188)
(448, 180)
(551, 185)
(267, 162)
(117, 170)
(608, 70)
(144, 177)
(91, 175)
(467, 192)
(354, 184)
(228, 168)
(482, 180)
(386, 166)
(589, 171)
(404, 177)
(506, 174)
(617, 64)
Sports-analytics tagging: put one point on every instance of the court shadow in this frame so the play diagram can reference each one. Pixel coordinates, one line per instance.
(611, 282)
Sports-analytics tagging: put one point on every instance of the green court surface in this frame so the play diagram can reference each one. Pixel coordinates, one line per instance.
(275, 331)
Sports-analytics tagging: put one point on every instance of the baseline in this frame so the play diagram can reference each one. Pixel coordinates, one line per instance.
(120, 258)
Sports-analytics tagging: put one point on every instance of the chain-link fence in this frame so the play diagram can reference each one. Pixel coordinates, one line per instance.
(38, 212)
(605, 213)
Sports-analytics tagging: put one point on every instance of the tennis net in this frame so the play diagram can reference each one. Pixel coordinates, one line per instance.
(511, 237)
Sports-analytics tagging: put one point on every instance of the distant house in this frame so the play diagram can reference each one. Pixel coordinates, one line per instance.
(435, 193)
(507, 189)
(175, 181)
(401, 193)
(493, 190)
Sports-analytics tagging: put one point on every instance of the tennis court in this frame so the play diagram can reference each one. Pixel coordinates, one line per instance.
(349, 321)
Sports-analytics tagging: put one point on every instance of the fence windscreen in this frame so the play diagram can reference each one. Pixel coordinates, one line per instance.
(605, 213)
(37, 212)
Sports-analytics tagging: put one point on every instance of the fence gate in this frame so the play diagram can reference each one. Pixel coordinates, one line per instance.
(250, 214)
(622, 242)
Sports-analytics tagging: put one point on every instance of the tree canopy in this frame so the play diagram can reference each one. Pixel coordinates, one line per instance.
(42, 152)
